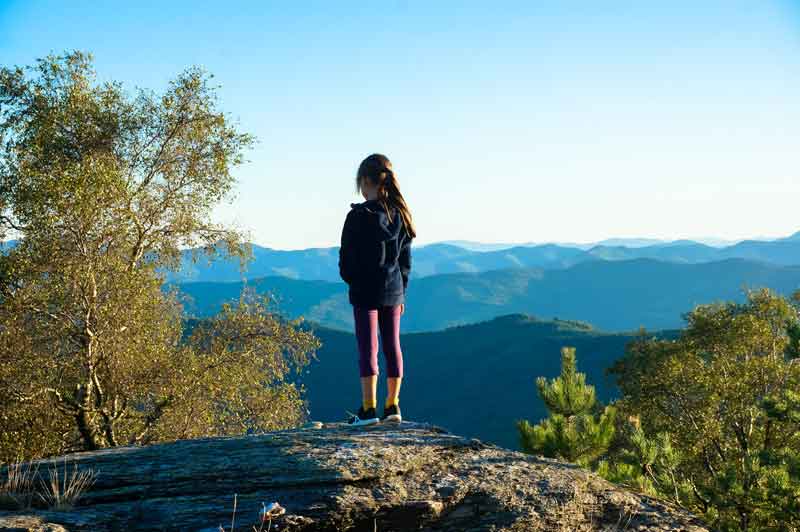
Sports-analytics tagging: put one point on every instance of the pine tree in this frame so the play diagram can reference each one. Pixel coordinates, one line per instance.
(578, 429)
(645, 464)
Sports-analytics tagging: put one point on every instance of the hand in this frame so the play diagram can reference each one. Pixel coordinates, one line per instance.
(402, 308)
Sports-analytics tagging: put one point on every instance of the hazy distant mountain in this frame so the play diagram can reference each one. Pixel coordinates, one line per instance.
(323, 263)
(473, 257)
(436, 259)
(489, 369)
(613, 242)
(312, 263)
(716, 242)
(614, 295)
(480, 246)
(785, 251)
(625, 242)
(684, 251)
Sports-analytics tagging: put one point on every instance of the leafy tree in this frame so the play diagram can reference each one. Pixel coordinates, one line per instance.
(728, 392)
(578, 429)
(103, 189)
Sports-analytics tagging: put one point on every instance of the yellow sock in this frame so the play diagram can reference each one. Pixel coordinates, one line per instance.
(366, 404)
(392, 401)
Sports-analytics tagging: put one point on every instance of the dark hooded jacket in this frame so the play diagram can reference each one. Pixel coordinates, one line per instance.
(375, 255)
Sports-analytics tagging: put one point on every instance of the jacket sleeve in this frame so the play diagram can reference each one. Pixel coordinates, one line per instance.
(404, 260)
(348, 263)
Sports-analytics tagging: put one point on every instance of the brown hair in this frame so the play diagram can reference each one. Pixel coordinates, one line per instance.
(378, 169)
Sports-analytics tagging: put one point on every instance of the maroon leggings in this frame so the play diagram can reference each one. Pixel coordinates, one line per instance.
(368, 322)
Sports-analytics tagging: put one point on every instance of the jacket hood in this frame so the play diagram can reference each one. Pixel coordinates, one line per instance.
(391, 228)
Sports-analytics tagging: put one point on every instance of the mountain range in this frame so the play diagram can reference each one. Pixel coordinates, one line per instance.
(615, 295)
(472, 257)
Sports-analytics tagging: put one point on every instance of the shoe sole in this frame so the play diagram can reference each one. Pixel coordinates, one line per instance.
(394, 418)
(362, 422)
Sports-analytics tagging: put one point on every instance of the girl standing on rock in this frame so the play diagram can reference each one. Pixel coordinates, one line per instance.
(375, 260)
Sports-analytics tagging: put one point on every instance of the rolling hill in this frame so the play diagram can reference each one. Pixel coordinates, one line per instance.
(323, 263)
(475, 379)
(613, 295)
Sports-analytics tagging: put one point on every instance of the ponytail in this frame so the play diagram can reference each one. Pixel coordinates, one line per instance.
(378, 169)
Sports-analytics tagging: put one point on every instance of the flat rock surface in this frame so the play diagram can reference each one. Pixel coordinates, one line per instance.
(384, 477)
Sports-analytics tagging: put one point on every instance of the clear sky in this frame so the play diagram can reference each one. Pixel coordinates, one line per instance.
(505, 121)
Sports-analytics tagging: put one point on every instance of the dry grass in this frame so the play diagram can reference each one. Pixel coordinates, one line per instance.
(62, 491)
(24, 486)
(17, 492)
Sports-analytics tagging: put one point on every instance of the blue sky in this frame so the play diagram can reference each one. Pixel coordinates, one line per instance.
(506, 121)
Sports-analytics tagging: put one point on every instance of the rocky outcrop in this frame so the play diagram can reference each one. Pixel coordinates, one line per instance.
(385, 477)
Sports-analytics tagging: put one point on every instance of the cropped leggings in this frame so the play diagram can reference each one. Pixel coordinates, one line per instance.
(368, 323)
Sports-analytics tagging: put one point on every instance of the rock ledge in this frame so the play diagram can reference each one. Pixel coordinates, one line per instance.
(411, 476)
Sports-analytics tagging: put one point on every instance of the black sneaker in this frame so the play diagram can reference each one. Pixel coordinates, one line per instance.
(392, 413)
(364, 417)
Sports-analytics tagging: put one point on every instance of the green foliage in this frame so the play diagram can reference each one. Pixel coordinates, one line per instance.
(103, 189)
(567, 395)
(648, 465)
(577, 430)
(728, 393)
(234, 375)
